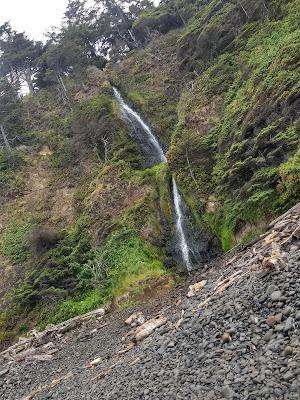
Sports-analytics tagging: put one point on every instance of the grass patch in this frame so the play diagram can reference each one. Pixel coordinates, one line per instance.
(130, 261)
(71, 308)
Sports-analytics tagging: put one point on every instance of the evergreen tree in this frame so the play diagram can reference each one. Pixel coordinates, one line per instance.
(10, 113)
(115, 25)
(19, 56)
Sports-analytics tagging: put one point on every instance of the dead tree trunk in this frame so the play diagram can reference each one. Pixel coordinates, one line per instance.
(105, 143)
(6, 142)
(243, 8)
(190, 168)
(29, 83)
(62, 89)
(180, 16)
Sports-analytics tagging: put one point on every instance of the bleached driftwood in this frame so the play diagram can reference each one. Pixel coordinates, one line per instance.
(31, 345)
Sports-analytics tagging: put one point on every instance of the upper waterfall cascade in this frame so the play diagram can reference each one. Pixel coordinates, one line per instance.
(133, 117)
(152, 145)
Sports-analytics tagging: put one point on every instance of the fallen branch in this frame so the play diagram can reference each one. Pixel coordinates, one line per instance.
(290, 211)
(223, 285)
(37, 339)
(105, 371)
(295, 234)
(48, 386)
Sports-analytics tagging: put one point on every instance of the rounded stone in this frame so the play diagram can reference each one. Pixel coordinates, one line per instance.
(226, 337)
(288, 351)
(276, 295)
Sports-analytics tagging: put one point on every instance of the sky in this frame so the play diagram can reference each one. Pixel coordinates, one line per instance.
(34, 17)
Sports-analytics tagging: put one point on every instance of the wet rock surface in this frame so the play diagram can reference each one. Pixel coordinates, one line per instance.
(236, 338)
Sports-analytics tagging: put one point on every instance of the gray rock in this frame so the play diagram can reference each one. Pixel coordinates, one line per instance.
(227, 392)
(289, 324)
(288, 376)
(4, 371)
(268, 335)
(276, 295)
(287, 311)
(294, 388)
(254, 319)
(288, 351)
(272, 288)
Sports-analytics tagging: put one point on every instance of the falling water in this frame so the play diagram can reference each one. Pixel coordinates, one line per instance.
(179, 226)
(129, 114)
(133, 117)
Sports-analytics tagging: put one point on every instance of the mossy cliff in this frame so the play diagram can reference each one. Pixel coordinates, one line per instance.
(235, 99)
(83, 222)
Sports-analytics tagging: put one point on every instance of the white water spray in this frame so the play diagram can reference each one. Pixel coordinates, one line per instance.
(179, 226)
(131, 115)
(128, 113)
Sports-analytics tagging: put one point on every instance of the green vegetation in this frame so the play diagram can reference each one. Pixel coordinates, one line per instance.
(218, 82)
(59, 272)
(10, 163)
(289, 185)
(120, 266)
(239, 124)
(152, 82)
(15, 240)
(130, 261)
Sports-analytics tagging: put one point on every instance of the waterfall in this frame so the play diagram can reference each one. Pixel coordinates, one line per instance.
(179, 226)
(133, 117)
(158, 157)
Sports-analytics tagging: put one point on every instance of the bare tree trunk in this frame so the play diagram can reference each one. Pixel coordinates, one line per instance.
(63, 90)
(6, 142)
(133, 37)
(243, 8)
(190, 168)
(61, 94)
(30, 85)
(105, 143)
(181, 17)
(266, 8)
(60, 80)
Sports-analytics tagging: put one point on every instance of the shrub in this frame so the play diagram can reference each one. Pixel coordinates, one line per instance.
(10, 162)
(289, 186)
(15, 241)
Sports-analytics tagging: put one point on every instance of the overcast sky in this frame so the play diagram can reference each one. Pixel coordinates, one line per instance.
(34, 17)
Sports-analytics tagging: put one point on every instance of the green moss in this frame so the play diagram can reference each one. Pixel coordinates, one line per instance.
(150, 79)
(238, 123)
(130, 261)
(151, 16)
(289, 185)
(96, 107)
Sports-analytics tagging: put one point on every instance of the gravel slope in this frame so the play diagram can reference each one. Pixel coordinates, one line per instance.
(243, 343)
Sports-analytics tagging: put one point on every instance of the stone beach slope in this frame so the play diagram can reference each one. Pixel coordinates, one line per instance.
(231, 331)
